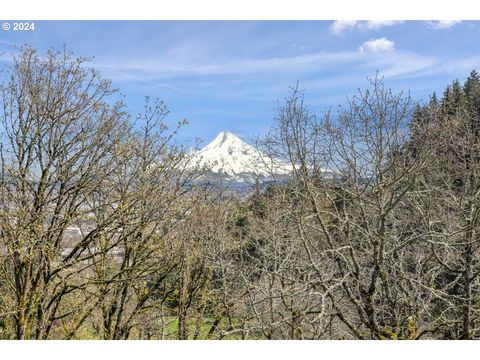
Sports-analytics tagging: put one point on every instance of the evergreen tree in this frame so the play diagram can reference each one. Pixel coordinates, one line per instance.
(458, 94)
(448, 102)
(434, 104)
(472, 90)
(472, 95)
(453, 99)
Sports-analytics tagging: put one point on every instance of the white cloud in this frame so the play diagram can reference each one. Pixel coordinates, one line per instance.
(340, 26)
(377, 45)
(442, 24)
(377, 24)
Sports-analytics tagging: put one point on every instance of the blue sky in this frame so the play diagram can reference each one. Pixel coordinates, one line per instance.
(230, 75)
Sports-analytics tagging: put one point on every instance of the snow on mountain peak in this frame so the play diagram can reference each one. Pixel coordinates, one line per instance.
(224, 138)
(229, 156)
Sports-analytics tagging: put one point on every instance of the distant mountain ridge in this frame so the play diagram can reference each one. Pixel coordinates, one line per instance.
(232, 159)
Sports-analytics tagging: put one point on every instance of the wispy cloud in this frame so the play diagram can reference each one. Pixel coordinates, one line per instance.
(402, 64)
(377, 45)
(340, 26)
(208, 70)
(119, 76)
(162, 69)
(448, 65)
(442, 24)
(376, 54)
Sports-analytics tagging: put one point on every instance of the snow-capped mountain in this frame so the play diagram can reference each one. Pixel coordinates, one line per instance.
(233, 159)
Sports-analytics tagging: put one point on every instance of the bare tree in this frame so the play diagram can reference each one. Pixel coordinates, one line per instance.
(59, 132)
(149, 187)
(349, 187)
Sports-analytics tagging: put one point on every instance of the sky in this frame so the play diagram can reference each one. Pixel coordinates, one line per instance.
(231, 75)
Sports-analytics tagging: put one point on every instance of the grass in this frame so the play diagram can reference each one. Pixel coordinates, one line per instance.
(198, 329)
